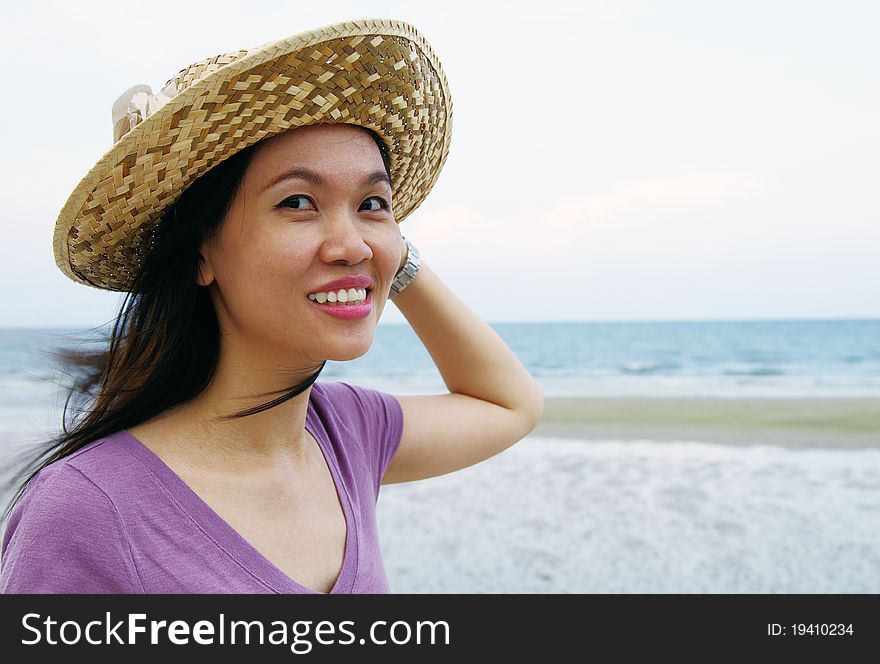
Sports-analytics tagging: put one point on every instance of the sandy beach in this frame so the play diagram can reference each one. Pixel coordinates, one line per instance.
(641, 496)
(835, 423)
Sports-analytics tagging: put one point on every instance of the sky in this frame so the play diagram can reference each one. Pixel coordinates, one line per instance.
(619, 160)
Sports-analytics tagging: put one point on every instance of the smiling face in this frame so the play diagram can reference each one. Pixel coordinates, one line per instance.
(314, 206)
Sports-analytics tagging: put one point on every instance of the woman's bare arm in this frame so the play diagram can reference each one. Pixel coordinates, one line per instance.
(492, 403)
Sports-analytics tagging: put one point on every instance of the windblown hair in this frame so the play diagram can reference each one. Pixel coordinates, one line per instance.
(164, 345)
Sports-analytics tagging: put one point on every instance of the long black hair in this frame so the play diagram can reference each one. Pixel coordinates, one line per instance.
(164, 345)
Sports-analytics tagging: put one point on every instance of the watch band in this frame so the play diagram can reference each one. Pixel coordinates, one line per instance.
(409, 270)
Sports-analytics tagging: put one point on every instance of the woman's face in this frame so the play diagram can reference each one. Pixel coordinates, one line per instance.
(314, 206)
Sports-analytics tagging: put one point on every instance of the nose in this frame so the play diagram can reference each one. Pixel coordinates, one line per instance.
(344, 240)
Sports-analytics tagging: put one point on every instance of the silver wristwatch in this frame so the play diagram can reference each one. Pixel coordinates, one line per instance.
(408, 271)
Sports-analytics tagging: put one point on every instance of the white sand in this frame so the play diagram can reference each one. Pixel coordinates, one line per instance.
(552, 515)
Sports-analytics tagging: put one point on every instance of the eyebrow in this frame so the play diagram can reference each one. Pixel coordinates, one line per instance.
(316, 179)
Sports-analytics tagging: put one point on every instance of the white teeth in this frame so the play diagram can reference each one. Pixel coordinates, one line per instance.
(342, 296)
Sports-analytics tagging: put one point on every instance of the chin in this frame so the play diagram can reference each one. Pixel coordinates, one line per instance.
(352, 349)
(346, 356)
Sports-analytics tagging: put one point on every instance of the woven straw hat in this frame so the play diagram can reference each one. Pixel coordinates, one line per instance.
(378, 73)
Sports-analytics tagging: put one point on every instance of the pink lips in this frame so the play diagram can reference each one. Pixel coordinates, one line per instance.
(347, 311)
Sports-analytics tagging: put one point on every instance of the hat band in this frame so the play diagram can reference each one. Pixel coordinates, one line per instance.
(137, 104)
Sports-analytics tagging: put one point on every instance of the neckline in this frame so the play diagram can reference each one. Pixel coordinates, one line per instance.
(233, 543)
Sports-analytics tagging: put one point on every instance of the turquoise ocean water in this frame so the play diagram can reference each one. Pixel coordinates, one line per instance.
(720, 358)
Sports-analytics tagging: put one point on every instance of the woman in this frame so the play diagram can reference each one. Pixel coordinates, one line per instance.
(250, 211)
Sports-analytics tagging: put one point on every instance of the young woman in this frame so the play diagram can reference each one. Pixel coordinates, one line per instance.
(250, 211)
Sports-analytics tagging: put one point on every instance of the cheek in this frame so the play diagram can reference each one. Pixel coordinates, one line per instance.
(281, 256)
(387, 251)
(262, 268)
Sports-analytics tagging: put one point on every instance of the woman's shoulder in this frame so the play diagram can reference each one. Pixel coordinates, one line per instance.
(56, 489)
(103, 457)
(342, 392)
(77, 480)
(372, 417)
(64, 524)
(59, 503)
(62, 482)
(363, 407)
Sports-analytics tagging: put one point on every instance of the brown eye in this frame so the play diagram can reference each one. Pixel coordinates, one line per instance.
(383, 204)
(296, 202)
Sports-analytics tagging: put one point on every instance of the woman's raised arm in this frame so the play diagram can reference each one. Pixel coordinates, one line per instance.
(493, 400)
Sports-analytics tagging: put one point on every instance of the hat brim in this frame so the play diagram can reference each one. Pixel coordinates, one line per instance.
(376, 73)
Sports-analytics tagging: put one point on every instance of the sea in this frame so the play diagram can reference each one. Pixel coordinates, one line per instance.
(759, 358)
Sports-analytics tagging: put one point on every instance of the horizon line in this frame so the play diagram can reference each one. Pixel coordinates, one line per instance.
(792, 319)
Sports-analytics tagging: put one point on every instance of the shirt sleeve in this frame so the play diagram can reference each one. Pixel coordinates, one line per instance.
(65, 536)
(379, 420)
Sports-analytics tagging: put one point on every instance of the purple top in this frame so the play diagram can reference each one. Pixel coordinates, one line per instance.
(113, 518)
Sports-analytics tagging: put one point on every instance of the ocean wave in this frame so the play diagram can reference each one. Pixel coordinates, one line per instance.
(757, 371)
(647, 368)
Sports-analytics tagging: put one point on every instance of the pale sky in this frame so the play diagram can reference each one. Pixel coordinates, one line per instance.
(619, 160)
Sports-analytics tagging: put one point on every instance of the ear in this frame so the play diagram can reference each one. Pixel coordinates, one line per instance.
(205, 272)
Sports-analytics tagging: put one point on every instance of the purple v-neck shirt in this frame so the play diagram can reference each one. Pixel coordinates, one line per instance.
(113, 518)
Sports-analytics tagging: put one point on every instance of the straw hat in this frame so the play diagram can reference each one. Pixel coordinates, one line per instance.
(378, 73)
